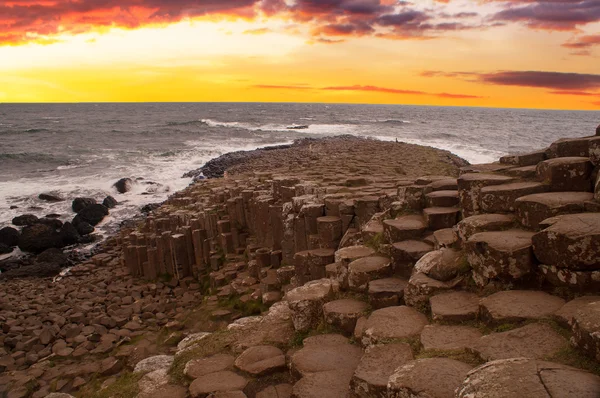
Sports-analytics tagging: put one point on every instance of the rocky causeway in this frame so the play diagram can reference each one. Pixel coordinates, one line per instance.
(333, 268)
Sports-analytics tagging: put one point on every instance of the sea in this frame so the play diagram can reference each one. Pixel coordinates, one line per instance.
(81, 150)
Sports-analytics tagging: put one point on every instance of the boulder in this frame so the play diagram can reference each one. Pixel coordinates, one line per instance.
(377, 364)
(83, 228)
(25, 220)
(442, 265)
(54, 256)
(9, 236)
(69, 234)
(81, 203)
(4, 249)
(50, 197)
(571, 241)
(523, 377)
(39, 237)
(425, 378)
(109, 202)
(92, 214)
(51, 222)
(124, 185)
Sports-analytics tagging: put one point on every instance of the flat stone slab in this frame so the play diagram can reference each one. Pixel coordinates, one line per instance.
(522, 377)
(586, 329)
(278, 391)
(362, 271)
(536, 341)
(501, 198)
(325, 353)
(448, 338)
(518, 305)
(442, 198)
(571, 241)
(531, 210)
(566, 313)
(306, 303)
(444, 238)
(483, 223)
(352, 253)
(430, 377)
(199, 367)
(404, 228)
(330, 384)
(387, 292)
(154, 363)
(376, 366)
(503, 255)
(454, 306)
(261, 360)
(217, 382)
(392, 323)
(566, 174)
(344, 313)
(410, 250)
(442, 265)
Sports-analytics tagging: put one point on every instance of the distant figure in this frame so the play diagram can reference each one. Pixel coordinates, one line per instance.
(396, 140)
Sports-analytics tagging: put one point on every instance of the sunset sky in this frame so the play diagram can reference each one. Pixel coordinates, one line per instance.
(518, 53)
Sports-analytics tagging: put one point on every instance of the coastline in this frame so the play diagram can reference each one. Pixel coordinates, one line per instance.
(306, 245)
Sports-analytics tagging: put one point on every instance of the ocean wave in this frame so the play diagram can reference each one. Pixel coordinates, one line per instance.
(394, 121)
(187, 123)
(317, 129)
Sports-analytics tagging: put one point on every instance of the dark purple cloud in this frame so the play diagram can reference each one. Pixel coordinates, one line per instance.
(550, 14)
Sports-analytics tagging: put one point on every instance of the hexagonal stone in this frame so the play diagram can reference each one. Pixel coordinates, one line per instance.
(566, 314)
(430, 377)
(199, 367)
(330, 384)
(535, 341)
(352, 253)
(387, 292)
(501, 198)
(469, 189)
(522, 377)
(570, 241)
(586, 329)
(444, 238)
(344, 313)
(404, 228)
(406, 253)
(217, 382)
(566, 174)
(442, 265)
(441, 217)
(391, 323)
(362, 271)
(306, 303)
(570, 147)
(454, 306)
(503, 255)
(376, 366)
(421, 288)
(448, 338)
(442, 198)
(518, 305)
(261, 360)
(483, 223)
(531, 210)
(325, 353)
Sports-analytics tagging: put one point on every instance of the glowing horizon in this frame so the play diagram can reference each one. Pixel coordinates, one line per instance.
(505, 54)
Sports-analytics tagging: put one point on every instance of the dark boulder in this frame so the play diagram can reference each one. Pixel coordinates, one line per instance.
(50, 197)
(9, 236)
(123, 185)
(51, 222)
(25, 220)
(54, 256)
(4, 249)
(92, 214)
(14, 207)
(69, 234)
(39, 237)
(150, 207)
(84, 228)
(81, 203)
(110, 202)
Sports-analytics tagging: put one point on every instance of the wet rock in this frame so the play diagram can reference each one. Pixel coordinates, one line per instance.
(124, 185)
(39, 237)
(522, 377)
(415, 379)
(92, 214)
(51, 222)
(9, 236)
(69, 234)
(25, 220)
(109, 202)
(83, 228)
(50, 197)
(4, 249)
(79, 204)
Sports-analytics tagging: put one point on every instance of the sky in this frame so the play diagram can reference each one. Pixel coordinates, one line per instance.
(492, 53)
